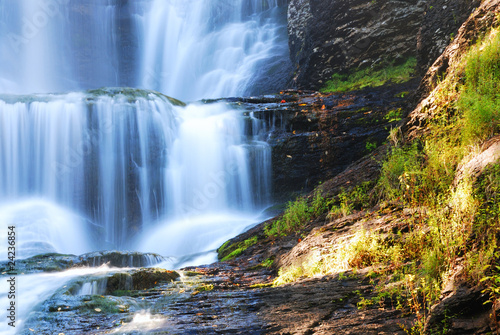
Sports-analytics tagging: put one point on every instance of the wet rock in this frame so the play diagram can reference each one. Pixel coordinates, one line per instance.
(315, 136)
(120, 259)
(148, 278)
(318, 136)
(41, 263)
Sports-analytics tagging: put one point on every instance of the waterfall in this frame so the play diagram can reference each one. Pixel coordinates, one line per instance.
(119, 168)
(89, 164)
(189, 49)
(209, 48)
(123, 160)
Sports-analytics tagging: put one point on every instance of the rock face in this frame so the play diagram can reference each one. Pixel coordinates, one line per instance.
(327, 37)
(120, 259)
(439, 27)
(314, 137)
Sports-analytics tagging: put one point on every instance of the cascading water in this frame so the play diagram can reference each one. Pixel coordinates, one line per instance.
(189, 49)
(131, 168)
(208, 48)
(124, 159)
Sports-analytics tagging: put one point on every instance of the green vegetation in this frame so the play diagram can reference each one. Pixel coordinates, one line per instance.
(297, 214)
(451, 219)
(479, 97)
(456, 219)
(361, 250)
(229, 251)
(100, 304)
(204, 287)
(372, 78)
(268, 263)
(358, 198)
(394, 115)
(370, 146)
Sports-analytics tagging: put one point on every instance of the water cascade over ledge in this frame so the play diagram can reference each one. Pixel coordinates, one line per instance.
(124, 161)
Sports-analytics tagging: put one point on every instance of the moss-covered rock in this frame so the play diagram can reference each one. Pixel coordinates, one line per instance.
(131, 94)
(120, 259)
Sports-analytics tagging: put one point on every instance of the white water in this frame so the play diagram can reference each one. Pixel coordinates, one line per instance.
(207, 56)
(124, 163)
(95, 287)
(42, 227)
(189, 49)
(143, 322)
(101, 170)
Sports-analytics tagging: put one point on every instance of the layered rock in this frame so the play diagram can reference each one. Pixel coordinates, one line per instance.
(327, 37)
(315, 137)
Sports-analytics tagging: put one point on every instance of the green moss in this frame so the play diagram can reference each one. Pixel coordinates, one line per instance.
(100, 304)
(132, 94)
(224, 247)
(233, 254)
(229, 251)
(372, 78)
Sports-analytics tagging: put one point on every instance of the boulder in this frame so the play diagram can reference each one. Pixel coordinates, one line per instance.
(121, 259)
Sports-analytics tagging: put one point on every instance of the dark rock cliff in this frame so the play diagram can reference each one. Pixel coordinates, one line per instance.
(327, 37)
(439, 27)
(315, 136)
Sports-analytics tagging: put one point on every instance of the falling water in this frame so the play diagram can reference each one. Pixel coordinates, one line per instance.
(123, 159)
(209, 48)
(128, 168)
(117, 163)
(189, 49)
